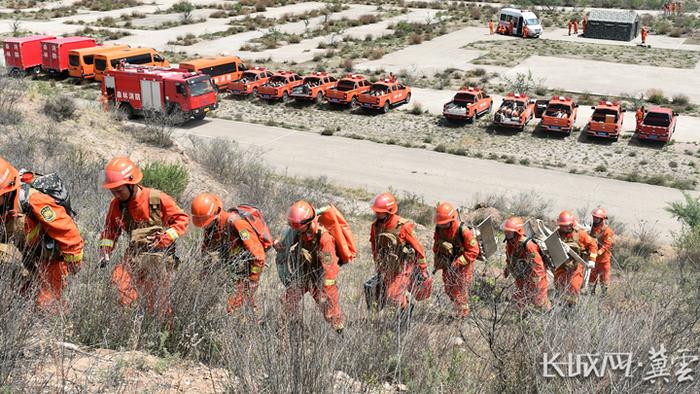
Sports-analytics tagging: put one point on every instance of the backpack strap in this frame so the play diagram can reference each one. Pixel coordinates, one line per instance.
(25, 191)
(154, 208)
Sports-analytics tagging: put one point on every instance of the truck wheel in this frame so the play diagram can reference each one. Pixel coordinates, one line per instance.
(36, 71)
(353, 102)
(126, 110)
(15, 73)
(255, 92)
(319, 98)
(385, 108)
(285, 97)
(200, 116)
(408, 98)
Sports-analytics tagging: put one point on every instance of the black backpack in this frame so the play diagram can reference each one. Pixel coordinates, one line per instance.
(51, 185)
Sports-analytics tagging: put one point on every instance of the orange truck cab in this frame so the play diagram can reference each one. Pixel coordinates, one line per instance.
(222, 69)
(515, 112)
(385, 94)
(347, 90)
(659, 124)
(134, 56)
(179, 92)
(81, 62)
(468, 104)
(314, 87)
(560, 115)
(23, 54)
(606, 120)
(279, 86)
(250, 82)
(54, 53)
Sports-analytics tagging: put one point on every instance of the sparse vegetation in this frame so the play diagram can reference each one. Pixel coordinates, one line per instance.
(59, 108)
(172, 178)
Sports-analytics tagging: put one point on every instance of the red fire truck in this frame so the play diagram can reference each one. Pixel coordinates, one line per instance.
(178, 92)
(54, 53)
(24, 53)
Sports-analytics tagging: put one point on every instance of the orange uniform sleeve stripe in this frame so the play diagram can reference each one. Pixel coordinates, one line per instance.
(57, 223)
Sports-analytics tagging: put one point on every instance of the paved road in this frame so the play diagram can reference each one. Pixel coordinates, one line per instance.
(437, 176)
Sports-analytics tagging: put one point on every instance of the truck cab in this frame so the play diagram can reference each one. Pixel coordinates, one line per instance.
(347, 90)
(515, 112)
(560, 115)
(467, 104)
(606, 120)
(658, 124)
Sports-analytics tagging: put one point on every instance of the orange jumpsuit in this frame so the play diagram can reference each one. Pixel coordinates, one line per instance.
(525, 263)
(317, 277)
(47, 222)
(459, 266)
(490, 27)
(232, 237)
(568, 278)
(397, 275)
(604, 236)
(575, 22)
(526, 32)
(584, 24)
(571, 24)
(644, 36)
(639, 116)
(138, 209)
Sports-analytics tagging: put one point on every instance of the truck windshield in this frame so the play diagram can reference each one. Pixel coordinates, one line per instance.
(345, 86)
(532, 22)
(200, 86)
(100, 64)
(74, 60)
(657, 119)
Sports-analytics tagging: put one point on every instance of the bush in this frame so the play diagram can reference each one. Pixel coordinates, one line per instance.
(681, 99)
(440, 148)
(415, 39)
(169, 178)
(376, 53)
(327, 131)
(59, 108)
(347, 65)
(11, 92)
(416, 109)
(656, 96)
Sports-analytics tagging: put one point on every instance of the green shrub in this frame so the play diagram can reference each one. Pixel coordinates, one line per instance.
(656, 96)
(169, 178)
(59, 108)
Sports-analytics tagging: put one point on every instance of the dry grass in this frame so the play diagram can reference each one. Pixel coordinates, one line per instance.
(511, 52)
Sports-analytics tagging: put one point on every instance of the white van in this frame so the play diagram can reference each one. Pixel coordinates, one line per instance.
(519, 19)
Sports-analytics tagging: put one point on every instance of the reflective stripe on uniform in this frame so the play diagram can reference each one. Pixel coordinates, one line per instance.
(33, 234)
(172, 233)
(461, 260)
(592, 256)
(255, 269)
(73, 258)
(329, 282)
(106, 243)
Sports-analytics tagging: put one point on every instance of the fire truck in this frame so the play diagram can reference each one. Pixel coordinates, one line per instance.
(55, 52)
(23, 54)
(178, 92)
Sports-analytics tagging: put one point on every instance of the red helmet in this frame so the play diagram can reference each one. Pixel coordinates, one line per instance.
(8, 177)
(445, 213)
(300, 214)
(384, 202)
(205, 207)
(121, 171)
(515, 225)
(600, 213)
(566, 218)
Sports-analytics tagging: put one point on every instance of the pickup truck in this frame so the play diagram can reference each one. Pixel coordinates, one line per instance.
(384, 94)
(250, 82)
(347, 90)
(468, 104)
(314, 87)
(658, 124)
(279, 86)
(515, 112)
(560, 115)
(606, 120)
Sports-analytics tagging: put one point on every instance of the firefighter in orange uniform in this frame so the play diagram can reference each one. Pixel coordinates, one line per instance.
(575, 23)
(645, 32)
(604, 236)
(490, 26)
(399, 257)
(313, 265)
(639, 115)
(524, 262)
(455, 249)
(42, 230)
(571, 25)
(584, 24)
(526, 31)
(568, 277)
(153, 223)
(235, 244)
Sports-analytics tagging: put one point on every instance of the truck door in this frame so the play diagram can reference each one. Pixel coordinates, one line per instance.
(519, 30)
(150, 95)
(540, 107)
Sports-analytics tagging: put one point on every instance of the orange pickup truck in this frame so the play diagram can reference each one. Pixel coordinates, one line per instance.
(560, 115)
(659, 124)
(606, 120)
(384, 94)
(347, 90)
(250, 82)
(468, 104)
(515, 112)
(314, 87)
(279, 86)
